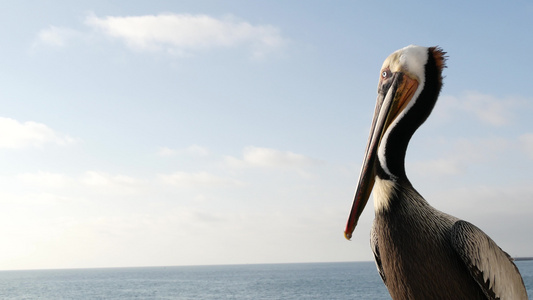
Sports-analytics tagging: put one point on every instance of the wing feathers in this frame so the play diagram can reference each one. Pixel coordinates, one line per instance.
(491, 267)
(377, 257)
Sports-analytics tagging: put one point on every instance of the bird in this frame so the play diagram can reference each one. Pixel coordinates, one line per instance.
(421, 252)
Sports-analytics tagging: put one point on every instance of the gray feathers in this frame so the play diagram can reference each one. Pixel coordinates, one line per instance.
(491, 267)
(423, 253)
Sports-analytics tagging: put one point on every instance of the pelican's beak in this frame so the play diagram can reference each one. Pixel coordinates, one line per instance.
(393, 96)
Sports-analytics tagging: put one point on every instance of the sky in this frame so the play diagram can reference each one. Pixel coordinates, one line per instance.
(164, 133)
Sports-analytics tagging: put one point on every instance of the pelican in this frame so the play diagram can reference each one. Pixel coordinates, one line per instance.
(421, 252)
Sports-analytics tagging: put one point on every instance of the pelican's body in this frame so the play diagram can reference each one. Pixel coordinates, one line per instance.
(421, 252)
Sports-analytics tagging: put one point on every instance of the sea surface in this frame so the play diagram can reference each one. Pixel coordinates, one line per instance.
(349, 280)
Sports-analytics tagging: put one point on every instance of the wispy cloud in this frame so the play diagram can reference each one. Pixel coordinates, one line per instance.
(183, 33)
(176, 34)
(194, 150)
(486, 108)
(56, 36)
(53, 186)
(271, 158)
(105, 182)
(460, 153)
(197, 179)
(526, 143)
(45, 179)
(442, 166)
(16, 135)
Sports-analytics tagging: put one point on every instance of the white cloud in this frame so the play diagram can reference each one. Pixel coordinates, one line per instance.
(111, 183)
(165, 151)
(16, 135)
(184, 33)
(194, 150)
(526, 141)
(442, 166)
(271, 158)
(175, 34)
(45, 179)
(486, 108)
(461, 153)
(197, 179)
(56, 36)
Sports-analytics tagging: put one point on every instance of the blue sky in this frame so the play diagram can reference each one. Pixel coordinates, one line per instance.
(207, 132)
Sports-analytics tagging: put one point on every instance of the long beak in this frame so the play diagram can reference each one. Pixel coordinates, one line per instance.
(389, 104)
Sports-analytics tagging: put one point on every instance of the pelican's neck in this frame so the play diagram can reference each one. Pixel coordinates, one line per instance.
(390, 194)
(384, 191)
(393, 145)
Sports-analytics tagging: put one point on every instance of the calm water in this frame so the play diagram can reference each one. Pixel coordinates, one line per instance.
(354, 280)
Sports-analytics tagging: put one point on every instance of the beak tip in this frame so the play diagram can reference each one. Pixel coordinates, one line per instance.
(347, 235)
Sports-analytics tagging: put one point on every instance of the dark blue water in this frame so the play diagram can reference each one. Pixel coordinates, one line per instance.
(353, 280)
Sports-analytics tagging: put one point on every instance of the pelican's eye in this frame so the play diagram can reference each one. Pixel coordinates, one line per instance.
(385, 74)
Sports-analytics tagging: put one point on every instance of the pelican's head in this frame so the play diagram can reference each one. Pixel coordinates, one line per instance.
(409, 83)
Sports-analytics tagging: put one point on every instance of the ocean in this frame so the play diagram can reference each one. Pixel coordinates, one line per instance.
(349, 280)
